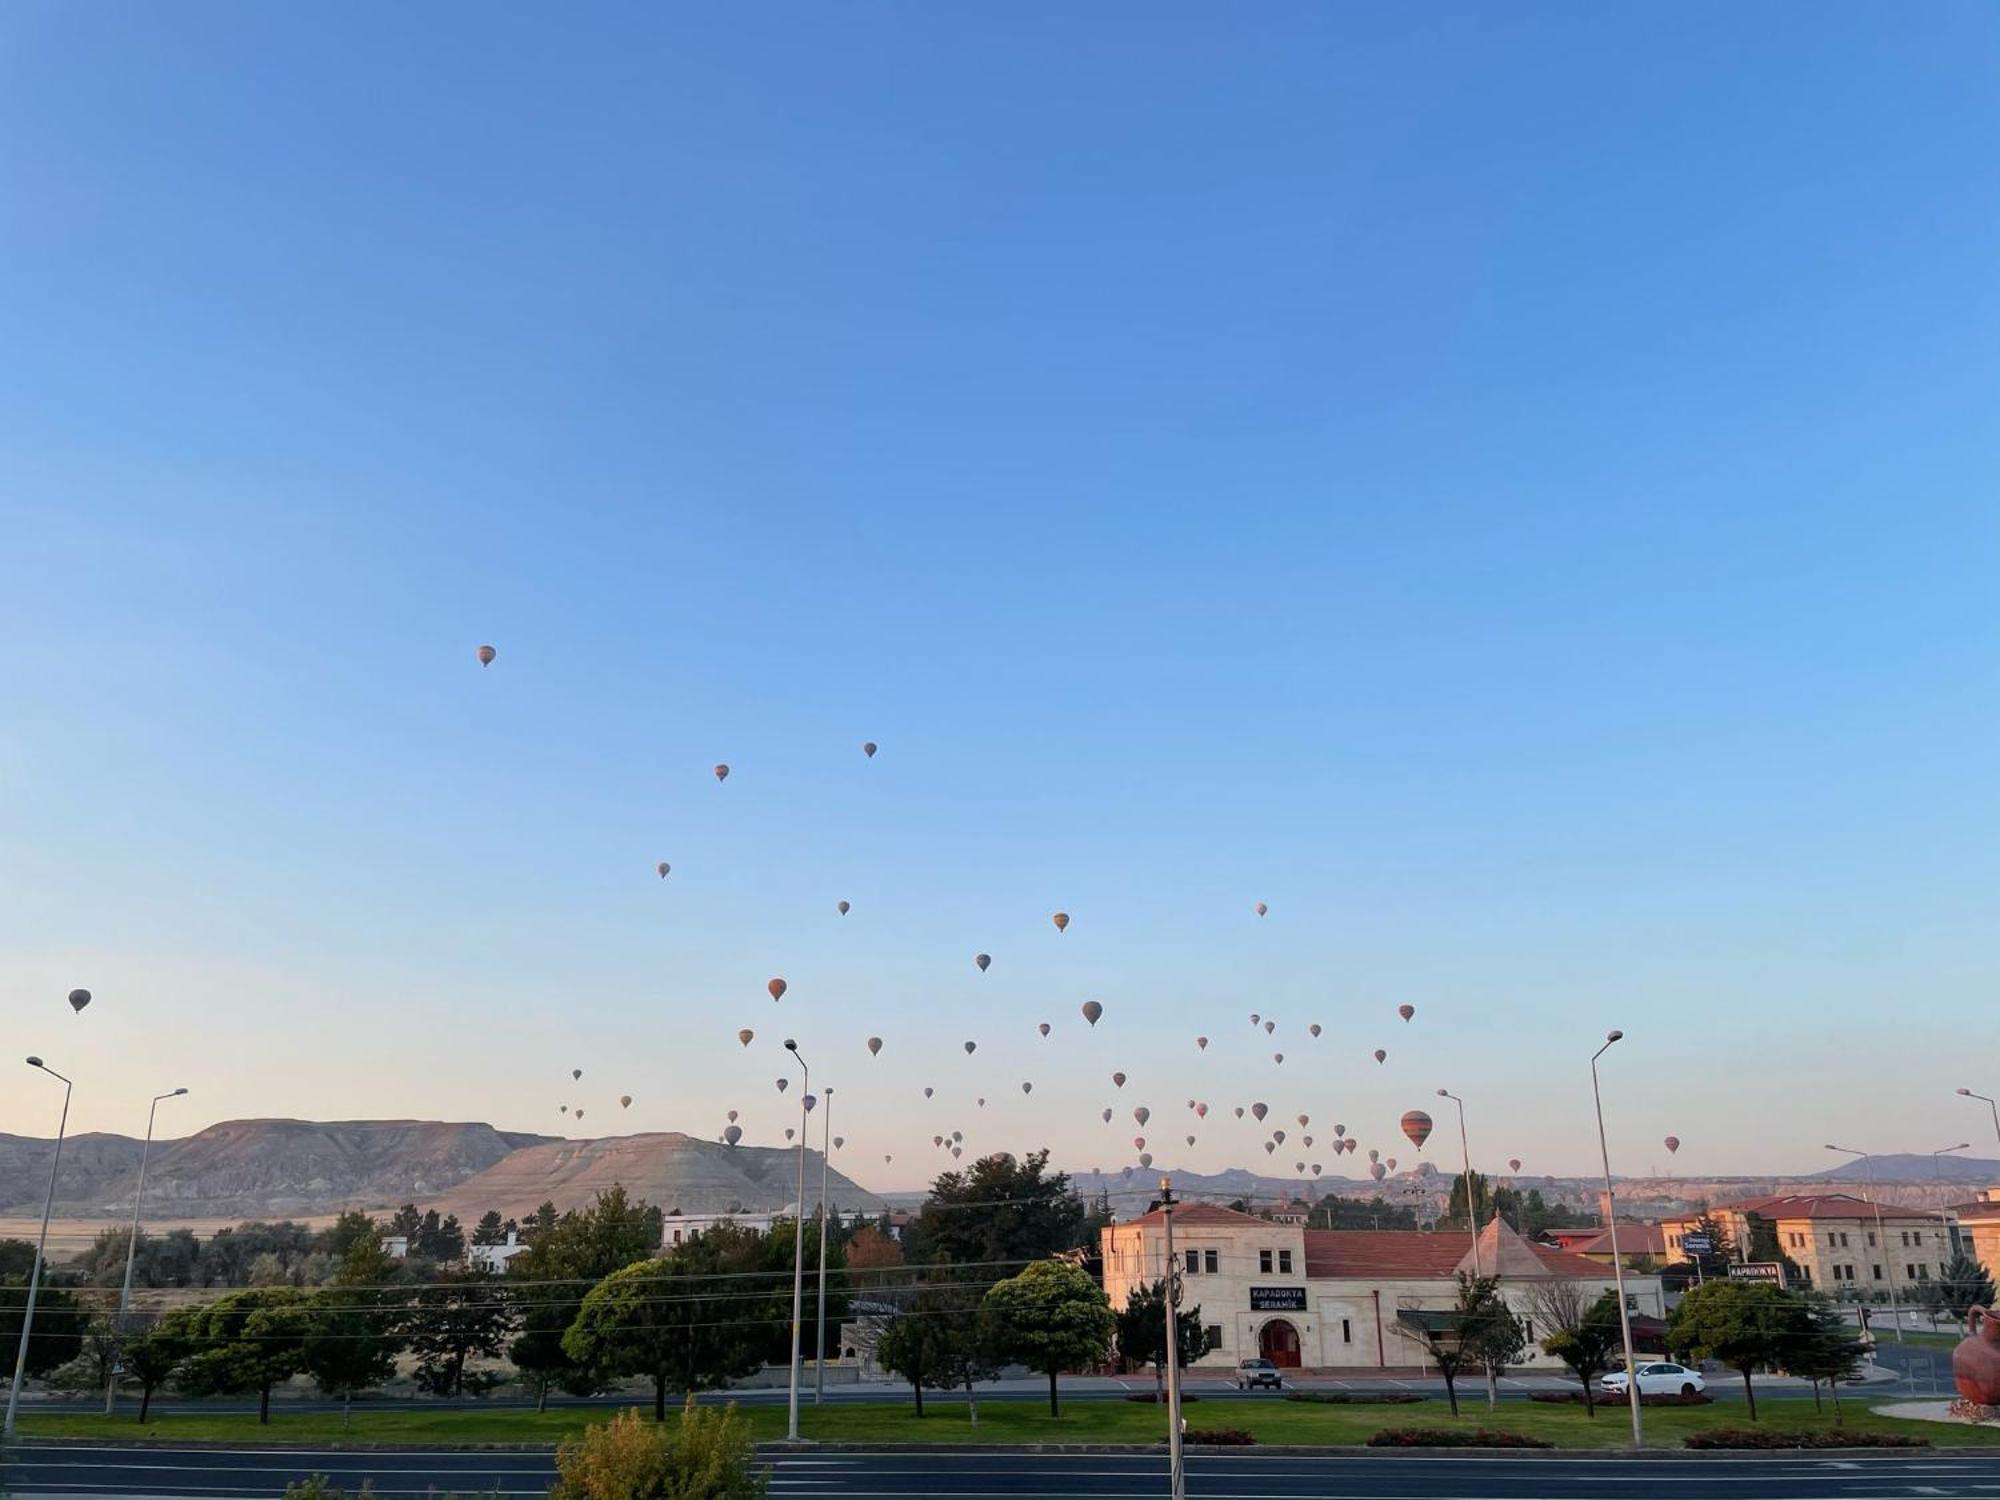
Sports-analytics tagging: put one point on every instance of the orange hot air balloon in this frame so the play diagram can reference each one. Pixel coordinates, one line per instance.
(1118, 1080)
(983, 960)
(1061, 919)
(1673, 1144)
(1043, 1028)
(970, 1048)
(721, 771)
(777, 988)
(868, 749)
(874, 1046)
(744, 1036)
(1417, 1126)
(1406, 1011)
(486, 655)
(78, 999)
(841, 907)
(1380, 1055)
(664, 868)
(1091, 1011)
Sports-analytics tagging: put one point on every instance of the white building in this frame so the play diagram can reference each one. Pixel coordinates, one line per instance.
(1328, 1298)
(494, 1258)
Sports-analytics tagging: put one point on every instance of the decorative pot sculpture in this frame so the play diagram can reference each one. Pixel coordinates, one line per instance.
(1975, 1363)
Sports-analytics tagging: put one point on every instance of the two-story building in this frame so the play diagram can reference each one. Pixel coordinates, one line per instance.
(1978, 1226)
(1328, 1298)
(1836, 1240)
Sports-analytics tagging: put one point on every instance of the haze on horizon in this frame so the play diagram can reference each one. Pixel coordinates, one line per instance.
(1511, 492)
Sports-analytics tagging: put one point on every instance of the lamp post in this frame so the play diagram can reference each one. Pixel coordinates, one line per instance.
(41, 1253)
(1881, 1234)
(1617, 1261)
(825, 1223)
(1938, 1156)
(1176, 1466)
(1990, 1102)
(131, 1255)
(798, 1242)
(1471, 1204)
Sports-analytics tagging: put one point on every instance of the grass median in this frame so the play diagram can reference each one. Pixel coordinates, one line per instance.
(889, 1424)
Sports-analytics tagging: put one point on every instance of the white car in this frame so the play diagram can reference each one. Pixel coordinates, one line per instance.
(1657, 1379)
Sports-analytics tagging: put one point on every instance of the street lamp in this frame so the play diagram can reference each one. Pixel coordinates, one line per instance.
(825, 1221)
(1938, 1156)
(1176, 1464)
(1990, 1102)
(1617, 1261)
(1471, 1205)
(1881, 1234)
(41, 1251)
(132, 1254)
(798, 1241)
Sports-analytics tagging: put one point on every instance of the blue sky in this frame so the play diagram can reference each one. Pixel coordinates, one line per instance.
(1511, 488)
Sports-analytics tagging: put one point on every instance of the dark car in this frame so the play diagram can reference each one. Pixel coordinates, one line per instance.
(1252, 1373)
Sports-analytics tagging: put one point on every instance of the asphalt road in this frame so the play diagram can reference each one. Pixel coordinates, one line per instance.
(72, 1470)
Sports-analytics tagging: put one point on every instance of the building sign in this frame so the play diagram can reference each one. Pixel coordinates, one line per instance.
(1759, 1270)
(1277, 1299)
(1697, 1244)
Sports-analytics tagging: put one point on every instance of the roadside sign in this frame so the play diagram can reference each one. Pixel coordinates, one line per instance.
(1759, 1270)
(1697, 1244)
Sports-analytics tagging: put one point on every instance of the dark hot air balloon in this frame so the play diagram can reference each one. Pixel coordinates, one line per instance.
(1259, 1111)
(1673, 1144)
(1107, 1117)
(1262, 908)
(575, 1073)
(745, 1036)
(624, 1101)
(841, 907)
(732, 1117)
(1513, 1163)
(984, 960)
(721, 771)
(970, 1048)
(1118, 1080)
(1201, 1042)
(927, 1093)
(1417, 1126)
(1091, 1011)
(1043, 1028)
(1061, 919)
(78, 999)
(874, 1046)
(783, 1084)
(733, 1134)
(1406, 1011)
(486, 655)
(1380, 1055)
(1142, 1114)
(868, 749)
(1138, 1143)
(1027, 1088)
(664, 868)
(1313, 1030)
(1378, 1171)
(777, 988)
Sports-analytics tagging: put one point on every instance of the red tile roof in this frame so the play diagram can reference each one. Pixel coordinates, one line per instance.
(1420, 1256)
(1199, 1214)
(1818, 1206)
(1633, 1239)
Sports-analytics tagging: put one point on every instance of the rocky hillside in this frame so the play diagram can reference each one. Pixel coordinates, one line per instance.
(256, 1168)
(668, 1168)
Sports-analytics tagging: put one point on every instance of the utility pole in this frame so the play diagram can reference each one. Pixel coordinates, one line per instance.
(1176, 1469)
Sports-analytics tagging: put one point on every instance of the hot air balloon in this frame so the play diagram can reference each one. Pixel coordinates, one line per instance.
(1145, 1158)
(1316, 1169)
(1201, 1111)
(1380, 1055)
(664, 868)
(1392, 1163)
(1304, 1120)
(1043, 1028)
(1374, 1155)
(841, 907)
(937, 1140)
(1259, 1110)
(574, 1073)
(970, 1048)
(1239, 1111)
(1673, 1144)
(927, 1093)
(732, 1117)
(562, 1109)
(1269, 1027)
(1027, 1088)
(958, 1135)
(789, 1132)
(1091, 1011)
(579, 1111)
(733, 1134)
(1278, 1136)
(486, 655)
(1190, 1140)
(1142, 1114)
(1378, 1171)
(1270, 1147)
(1278, 1057)
(1107, 1117)
(1313, 1030)
(1118, 1080)
(1339, 1130)
(78, 999)
(957, 1152)
(1138, 1143)
(983, 960)
(839, 1141)
(721, 771)
(783, 1084)
(1513, 1163)
(777, 987)
(1255, 1018)
(809, 1101)
(868, 749)
(1262, 908)
(1417, 1126)
(745, 1036)
(624, 1101)
(1061, 919)
(1201, 1042)
(1406, 1011)
(887, 1159)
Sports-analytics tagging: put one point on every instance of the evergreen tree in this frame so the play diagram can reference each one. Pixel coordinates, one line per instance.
(1142, 1332)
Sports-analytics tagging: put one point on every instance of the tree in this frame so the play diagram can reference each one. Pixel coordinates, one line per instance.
(1743, 1324)
(354, 1337)
(945, 1341)
(246, 1341)
(459, 1316)
(489, 1230)
(1352, 1213)
(153, 1352)
(673, 1319)
(1585, 1335)
(1052, 1317)
(1964, 1285)
(1000, 1213)
(874, 1259)
(564, 1259)
(707, 1455)
(1142, 1332)
(1488, 1331)
(60, 1322)
(1822, 1347)
(1473, 1333)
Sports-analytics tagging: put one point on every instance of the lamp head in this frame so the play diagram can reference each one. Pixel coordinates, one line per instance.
(177, 1093)
(34, 1062)
(791, 1045)
(1444, 1094)
(1966, 1092)
(1613, 1035)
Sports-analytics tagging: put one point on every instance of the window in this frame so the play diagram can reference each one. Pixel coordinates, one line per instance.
(1210, 1262)
(1214, 1331)
(1194, 1262)
(1285, 1262)
(1877, 1271)
(1264, 1261)
(1906, 1239)
(1871, 1239)
(1923, 1273)
(1346, 1331)
(1909, 1273)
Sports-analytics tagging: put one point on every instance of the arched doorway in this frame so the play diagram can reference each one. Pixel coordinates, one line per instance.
(1278, 1341)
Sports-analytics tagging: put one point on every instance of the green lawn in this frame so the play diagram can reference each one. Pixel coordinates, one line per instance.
(1270, 1421)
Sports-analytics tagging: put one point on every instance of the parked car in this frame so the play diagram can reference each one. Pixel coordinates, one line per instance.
(1659, 1378)
(1253, 1373)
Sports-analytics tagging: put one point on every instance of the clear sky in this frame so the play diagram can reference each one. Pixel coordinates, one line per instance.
(1512, 487)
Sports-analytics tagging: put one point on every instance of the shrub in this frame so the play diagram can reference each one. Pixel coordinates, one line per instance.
(319, 1487)
(1658, 1398)
(1153, 1398)
(1759, 1437)
(1453, 1437)
(708, 1456)
(1219, 1437)
(1354, 1398)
